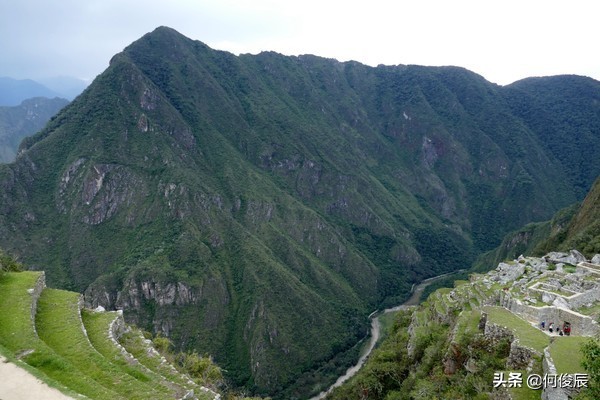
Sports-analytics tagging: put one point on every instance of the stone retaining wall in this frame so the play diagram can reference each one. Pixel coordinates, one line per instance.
(581, 325)
(36, 292)
(520, 357)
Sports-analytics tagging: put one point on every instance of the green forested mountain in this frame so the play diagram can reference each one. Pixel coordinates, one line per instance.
(24, 120)
(259, 207)
(574, 227)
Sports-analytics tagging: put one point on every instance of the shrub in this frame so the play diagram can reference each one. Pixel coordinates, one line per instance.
(8, 263)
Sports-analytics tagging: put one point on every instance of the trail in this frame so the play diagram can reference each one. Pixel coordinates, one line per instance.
(416, 293)
(18, 384)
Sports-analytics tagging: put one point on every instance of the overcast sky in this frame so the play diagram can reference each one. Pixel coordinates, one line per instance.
(503, 40)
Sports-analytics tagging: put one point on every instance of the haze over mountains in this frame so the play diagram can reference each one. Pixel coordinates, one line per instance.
(14, 91)
(259, 207)
(18, 122)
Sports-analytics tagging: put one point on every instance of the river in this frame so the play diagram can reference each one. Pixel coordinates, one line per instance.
(416, 292)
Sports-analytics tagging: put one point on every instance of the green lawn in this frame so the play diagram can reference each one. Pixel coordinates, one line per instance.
(468, 322)
(528, 335)
(566, 353)
(524, 392)
(16, 327)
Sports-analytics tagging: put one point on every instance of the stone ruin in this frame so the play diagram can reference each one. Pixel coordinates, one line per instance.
(555, 288)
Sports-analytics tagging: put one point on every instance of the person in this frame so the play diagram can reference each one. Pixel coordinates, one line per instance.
(560, 333)
(543, 324)
(551, 327)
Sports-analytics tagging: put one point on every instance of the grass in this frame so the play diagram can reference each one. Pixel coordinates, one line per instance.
(566, 353)
(468, 322)
(97, 326)
(58, 318)
(528, 335)
(17, 335)
(63, 357)
(523, 392)
(133, 342)
(16, 327)
(594, 310)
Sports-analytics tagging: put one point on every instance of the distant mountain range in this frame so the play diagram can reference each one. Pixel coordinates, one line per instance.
(259, 207)
(18, 122)
(14, 91)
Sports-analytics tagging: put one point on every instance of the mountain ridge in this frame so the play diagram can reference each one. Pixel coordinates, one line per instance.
(18, 122)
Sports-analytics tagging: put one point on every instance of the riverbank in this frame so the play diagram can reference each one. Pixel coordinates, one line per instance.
(413, 300)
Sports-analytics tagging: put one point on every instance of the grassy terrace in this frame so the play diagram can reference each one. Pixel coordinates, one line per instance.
(58, 318)
(16, 327)
(528, 335)
(566, 353)
(133, 342)
(18, 337)
(97, 326)
(65, 357)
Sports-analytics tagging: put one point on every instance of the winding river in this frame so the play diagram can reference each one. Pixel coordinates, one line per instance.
(416, 292)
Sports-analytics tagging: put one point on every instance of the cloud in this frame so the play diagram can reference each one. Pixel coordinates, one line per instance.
(502, 40)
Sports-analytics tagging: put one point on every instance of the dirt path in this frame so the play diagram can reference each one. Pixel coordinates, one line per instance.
(18, 384)
(376, 330)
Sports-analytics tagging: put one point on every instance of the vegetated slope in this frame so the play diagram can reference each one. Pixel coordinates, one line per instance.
(259, 207)
(46, 331)
(24, 120)
(583, 230)
(574, 227)
(452, 345)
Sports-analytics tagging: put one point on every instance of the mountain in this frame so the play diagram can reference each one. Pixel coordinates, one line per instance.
(24, 120)
(574, 227)
(67, 86)
(14, 91)
(259, 207)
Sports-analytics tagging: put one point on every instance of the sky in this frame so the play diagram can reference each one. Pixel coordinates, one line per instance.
(503, 41)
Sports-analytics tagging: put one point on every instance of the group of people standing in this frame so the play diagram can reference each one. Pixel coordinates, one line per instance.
(566, 328)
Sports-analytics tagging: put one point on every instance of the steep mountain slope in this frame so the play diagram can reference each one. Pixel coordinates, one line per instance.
(24, 120)
(259, 207)
(582, 232)
(574, 227)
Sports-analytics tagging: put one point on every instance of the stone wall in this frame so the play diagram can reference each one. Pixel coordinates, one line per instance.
(584, 298)
(581, 325)
(35, 292)
(520, 357)
(548, 392)
(496, 332)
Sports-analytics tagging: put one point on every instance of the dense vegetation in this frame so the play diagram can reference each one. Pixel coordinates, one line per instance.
(393, 374)
(258, 208)
(574, 227)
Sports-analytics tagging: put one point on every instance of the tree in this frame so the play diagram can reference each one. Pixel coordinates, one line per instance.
(591, 363)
